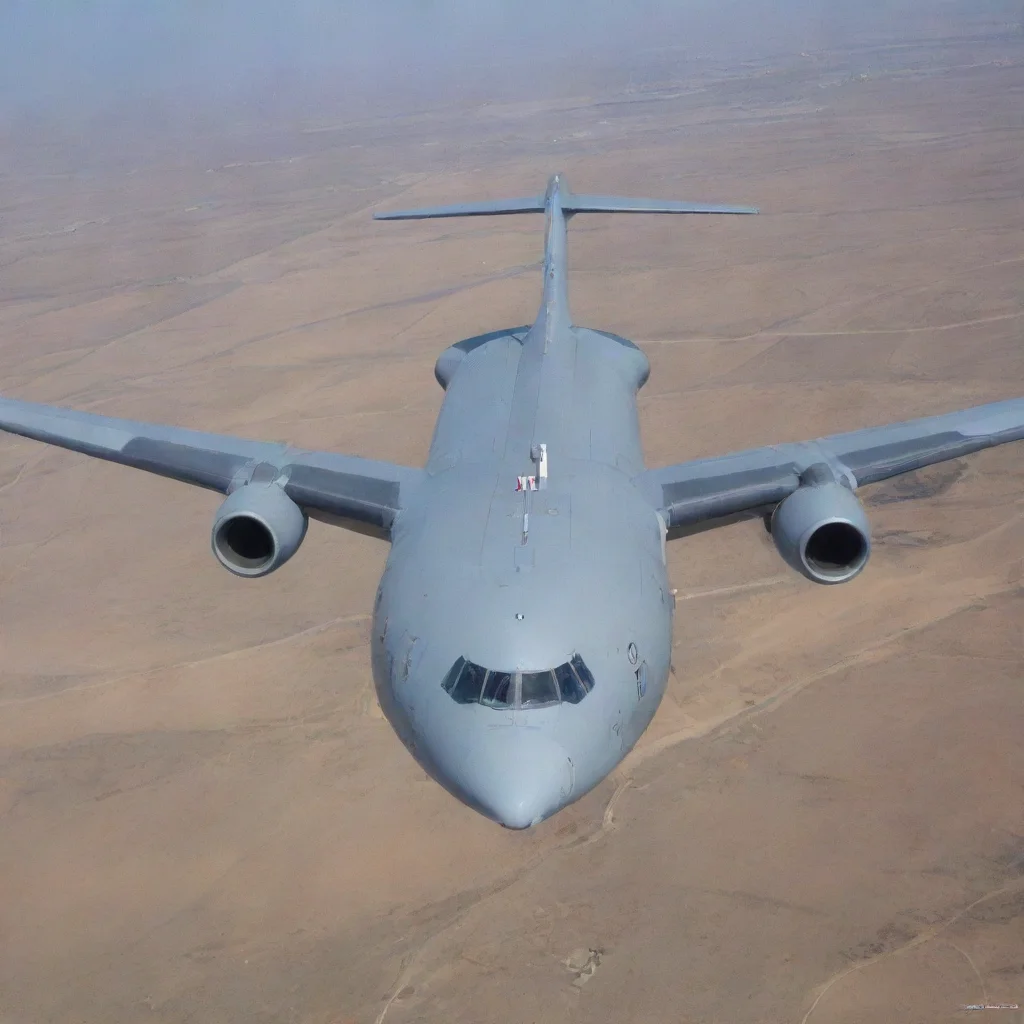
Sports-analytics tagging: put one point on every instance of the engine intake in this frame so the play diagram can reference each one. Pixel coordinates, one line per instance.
(257, 529)
(822, 531)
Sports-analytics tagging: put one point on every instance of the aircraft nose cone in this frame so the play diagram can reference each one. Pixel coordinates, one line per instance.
(518, 776)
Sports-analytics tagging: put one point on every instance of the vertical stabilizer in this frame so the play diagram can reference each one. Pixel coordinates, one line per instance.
(554, 305)
(558, 204)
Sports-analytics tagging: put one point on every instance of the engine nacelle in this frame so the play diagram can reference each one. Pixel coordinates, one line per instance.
(257, 529)
(822, 531)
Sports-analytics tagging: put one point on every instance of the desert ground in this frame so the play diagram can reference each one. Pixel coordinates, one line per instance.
(203, 814)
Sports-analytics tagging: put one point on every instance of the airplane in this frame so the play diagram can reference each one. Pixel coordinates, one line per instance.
(522, 629)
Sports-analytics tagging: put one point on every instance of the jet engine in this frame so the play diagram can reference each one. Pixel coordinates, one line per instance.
(257, 529)
(822, 531)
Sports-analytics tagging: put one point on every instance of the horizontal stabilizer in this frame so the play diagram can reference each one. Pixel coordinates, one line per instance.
(558, 204)
(531, 204)
(622, 204)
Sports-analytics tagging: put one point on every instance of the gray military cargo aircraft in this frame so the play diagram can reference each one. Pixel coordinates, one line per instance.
(522, 628)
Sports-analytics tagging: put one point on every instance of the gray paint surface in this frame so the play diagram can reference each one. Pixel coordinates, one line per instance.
(521, 580)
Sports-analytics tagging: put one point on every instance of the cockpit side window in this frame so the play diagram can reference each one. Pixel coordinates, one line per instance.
(583, 672)
(467, 683)
(453, 675)
(571, 689)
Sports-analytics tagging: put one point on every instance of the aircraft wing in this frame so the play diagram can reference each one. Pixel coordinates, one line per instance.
(360, 494)
(744, 484)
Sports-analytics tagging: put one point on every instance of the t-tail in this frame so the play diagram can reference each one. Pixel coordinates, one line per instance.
(559, 204)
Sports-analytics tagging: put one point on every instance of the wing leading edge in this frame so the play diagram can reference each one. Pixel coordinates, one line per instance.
(366, 495)
(706, 492)
(359, 494)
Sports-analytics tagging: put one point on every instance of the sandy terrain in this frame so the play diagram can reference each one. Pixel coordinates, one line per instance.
(204, 815)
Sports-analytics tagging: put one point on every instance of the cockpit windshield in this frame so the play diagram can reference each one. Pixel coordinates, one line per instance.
(467, 683)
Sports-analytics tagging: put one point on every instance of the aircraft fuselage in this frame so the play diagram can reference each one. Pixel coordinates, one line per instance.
(518, 581)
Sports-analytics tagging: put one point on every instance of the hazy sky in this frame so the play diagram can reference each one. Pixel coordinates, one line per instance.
(77, 57)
